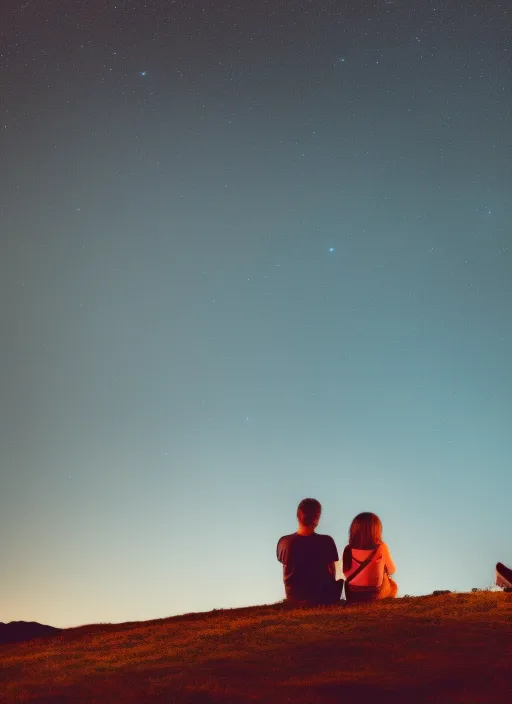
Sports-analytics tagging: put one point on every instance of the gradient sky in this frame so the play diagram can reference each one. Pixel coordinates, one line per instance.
(250, 252)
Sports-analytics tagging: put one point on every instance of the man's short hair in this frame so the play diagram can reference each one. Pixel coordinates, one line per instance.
(308, 511)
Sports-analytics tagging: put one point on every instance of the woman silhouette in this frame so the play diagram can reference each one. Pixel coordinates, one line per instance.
(367, 563)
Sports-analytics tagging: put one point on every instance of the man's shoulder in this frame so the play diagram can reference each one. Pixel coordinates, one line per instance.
(325, 538)
(313, 536)
(286, 539)
(328, 546)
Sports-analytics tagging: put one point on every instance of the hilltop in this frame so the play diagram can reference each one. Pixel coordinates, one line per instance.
(449, 648)
(17, 631)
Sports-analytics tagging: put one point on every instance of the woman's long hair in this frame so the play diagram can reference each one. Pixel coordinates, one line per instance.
(365, 532)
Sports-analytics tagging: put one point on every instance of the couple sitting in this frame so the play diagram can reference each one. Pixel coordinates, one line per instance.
(308, 559)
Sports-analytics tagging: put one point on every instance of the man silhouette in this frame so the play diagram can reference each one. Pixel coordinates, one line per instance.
(503, 576)
(309, 573)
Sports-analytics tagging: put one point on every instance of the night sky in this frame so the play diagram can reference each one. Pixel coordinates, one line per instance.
(250, 252)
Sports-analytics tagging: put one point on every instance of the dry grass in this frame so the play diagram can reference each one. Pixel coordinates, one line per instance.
(452, 648)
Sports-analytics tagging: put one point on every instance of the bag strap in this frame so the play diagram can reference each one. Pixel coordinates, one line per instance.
(362, 565)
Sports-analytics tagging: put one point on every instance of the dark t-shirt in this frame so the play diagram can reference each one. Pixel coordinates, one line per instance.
(306, 560)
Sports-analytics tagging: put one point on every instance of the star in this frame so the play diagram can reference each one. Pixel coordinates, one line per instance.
(143, 73)
(331, 249)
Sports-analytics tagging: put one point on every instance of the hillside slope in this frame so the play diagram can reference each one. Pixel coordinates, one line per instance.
(452, 648)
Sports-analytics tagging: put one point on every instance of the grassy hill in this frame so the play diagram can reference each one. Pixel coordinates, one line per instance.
(450, 648)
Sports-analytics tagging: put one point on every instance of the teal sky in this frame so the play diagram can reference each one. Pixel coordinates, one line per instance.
(250, 255)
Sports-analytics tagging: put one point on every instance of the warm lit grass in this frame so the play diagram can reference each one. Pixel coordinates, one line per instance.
(454, 648)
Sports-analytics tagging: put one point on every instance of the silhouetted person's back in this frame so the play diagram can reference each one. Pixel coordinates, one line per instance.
(503, 576)
(308, 560)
